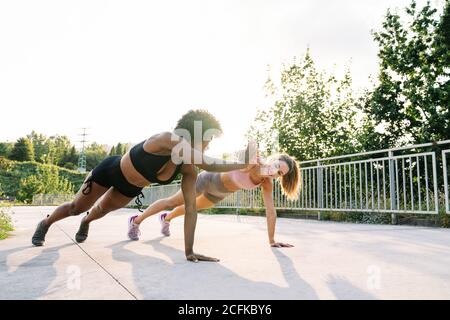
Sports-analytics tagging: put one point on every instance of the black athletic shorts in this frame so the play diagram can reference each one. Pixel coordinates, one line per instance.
(108, 174)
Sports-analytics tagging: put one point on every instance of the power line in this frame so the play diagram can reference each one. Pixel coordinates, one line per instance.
(82, 157)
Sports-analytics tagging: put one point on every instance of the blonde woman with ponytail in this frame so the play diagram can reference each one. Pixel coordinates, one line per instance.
(212, 187)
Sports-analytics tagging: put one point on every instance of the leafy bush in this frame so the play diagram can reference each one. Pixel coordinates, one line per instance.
(376, 218)
(5, 223)
(46, 181)
(13, 172)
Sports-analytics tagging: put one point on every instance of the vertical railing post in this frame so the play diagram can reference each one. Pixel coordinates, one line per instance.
(238, 201)
(444, 166)
(436, 189)
(319, 184)
(392, 184)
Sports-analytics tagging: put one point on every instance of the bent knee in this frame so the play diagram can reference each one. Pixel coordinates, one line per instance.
(102, 209)
(171, 203)
(75, 209)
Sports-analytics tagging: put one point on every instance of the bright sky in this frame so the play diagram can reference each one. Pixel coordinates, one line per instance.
(129, 69)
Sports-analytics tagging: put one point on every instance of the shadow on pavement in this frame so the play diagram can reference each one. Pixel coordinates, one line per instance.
(157, 278)
(30, 279)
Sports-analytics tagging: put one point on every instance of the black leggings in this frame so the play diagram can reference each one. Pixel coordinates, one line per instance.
(108, 174)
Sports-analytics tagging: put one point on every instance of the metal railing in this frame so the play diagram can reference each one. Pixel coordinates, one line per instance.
(385, 182)
(51, 199)
(446, 173)
(153, 193)
(388, 184)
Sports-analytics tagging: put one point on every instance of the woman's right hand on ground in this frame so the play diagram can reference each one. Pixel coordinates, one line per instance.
(281, 245)
(195, 257)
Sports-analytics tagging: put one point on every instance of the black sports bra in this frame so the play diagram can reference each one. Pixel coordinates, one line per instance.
(148, 164)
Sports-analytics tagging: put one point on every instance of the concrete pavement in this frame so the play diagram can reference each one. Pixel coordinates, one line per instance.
(329, 260)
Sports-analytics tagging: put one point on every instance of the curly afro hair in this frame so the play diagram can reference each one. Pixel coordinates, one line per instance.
(208, 121)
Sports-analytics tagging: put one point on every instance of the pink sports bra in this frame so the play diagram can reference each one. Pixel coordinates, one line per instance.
(242, 179)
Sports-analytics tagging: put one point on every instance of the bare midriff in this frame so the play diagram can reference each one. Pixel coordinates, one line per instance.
(228, 182)
(135, 178)
(130, 173)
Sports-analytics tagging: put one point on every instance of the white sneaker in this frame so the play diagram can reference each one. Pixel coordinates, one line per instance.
(133, 229)
(165, 225)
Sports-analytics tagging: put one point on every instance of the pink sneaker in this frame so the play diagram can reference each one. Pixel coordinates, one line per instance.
(165, 225)
(133, 229)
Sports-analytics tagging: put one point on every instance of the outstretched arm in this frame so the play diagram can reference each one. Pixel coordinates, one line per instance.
(217, 165)
(271, 214)
(190, 219)
(183, 151)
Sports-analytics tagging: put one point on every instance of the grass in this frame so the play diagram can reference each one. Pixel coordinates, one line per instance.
(5, 223)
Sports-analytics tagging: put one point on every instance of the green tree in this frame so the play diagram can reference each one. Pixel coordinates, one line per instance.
(62, 146)
(370, 135)
(312, 115)
(70, 159)
(112, 152)
(22, 150)
(444, 28)
(95, 153)
(342, 128)
(70, 166)
(411, 102)
(40, 145)
(46, 181)
(6, 224)
(120, 149)
(5, 149)
(51, 150)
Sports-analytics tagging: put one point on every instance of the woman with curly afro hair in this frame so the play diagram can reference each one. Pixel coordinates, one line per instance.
(113, 183)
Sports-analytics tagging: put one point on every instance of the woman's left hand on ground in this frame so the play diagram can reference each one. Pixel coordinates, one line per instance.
(194, 257)
(281, 245)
